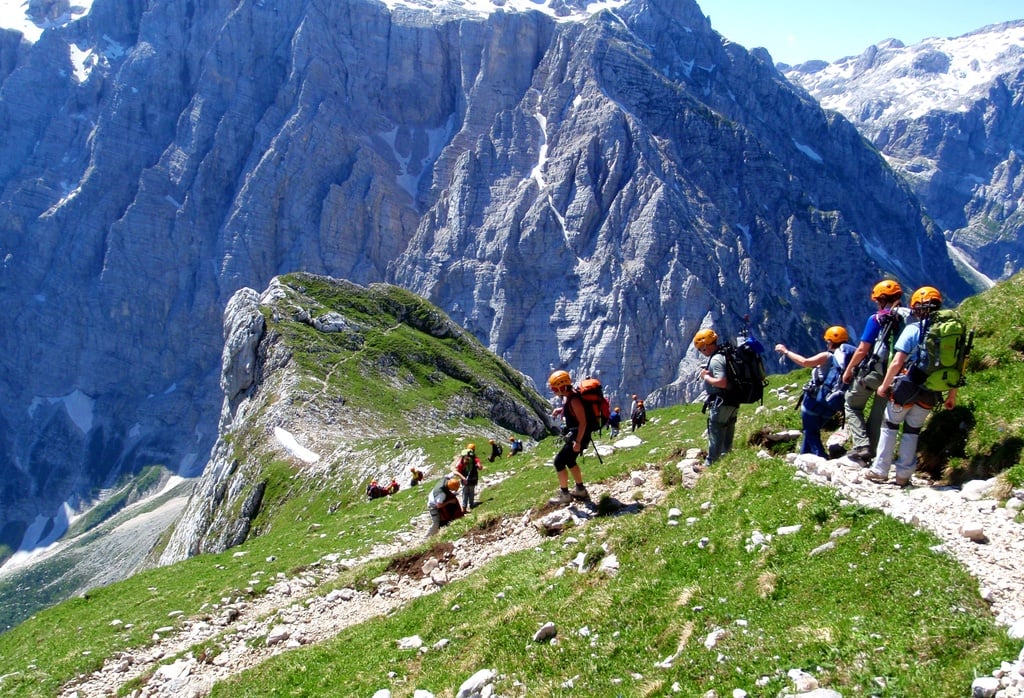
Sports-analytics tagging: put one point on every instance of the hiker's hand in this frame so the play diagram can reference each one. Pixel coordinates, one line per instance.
(950, 402)
(883, 391)
(576, 446)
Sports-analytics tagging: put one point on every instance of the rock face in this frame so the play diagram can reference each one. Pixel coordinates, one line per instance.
(579, 191)
(948, 114)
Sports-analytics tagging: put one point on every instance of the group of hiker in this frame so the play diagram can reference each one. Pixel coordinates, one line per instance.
(885, 384)
(905, 360)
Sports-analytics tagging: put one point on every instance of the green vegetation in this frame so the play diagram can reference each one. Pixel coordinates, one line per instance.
(879, 614)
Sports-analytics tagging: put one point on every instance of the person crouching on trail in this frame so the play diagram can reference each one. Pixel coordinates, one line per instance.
(443, 504)
(577, 438)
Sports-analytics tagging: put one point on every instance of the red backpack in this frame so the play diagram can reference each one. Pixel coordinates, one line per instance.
(595, 404)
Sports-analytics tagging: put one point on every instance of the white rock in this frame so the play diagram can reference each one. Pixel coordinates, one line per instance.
(474, 685)
(546, 632)
(973, 530)
(985, 687)
(789, 530)
(413, 642)
(974, 490)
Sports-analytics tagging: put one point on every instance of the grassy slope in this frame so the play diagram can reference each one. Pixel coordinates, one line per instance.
(881, 606)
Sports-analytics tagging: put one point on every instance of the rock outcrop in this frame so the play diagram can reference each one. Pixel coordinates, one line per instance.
(271, 413)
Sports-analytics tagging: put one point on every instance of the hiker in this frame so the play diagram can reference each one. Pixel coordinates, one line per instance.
(515, 446)
(495, 450)
(467, 468)
(632, 406)
(721, 410)
(415, 476)
(823, 395)
(866, 367)
(909, 402)
(577, 438)
(443, 504)
(639, 416)
(614, 422)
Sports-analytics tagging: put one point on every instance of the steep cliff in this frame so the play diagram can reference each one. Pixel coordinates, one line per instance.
(578, 190)
(948, 114)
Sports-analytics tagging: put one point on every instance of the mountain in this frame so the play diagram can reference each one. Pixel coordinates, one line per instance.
(948, 115)
(579, 189)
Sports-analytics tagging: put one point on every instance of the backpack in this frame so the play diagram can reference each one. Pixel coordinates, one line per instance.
(744, 368)
(595, 404)
(824, 394)
(892, 323)
(942, 353)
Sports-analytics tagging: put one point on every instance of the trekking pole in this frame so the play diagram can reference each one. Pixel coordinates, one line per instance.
(596, 452)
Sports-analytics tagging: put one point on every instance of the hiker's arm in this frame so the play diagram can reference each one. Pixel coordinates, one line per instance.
(950, 402)
(581, 419)
(859, 355)
(720, 382)
(802, 361)
(895, 367)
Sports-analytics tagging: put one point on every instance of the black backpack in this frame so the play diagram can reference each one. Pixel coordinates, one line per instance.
(744, 369)
(892, 323)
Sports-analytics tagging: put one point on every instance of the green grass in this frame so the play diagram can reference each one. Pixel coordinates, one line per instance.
(880, 605)
(880, 614)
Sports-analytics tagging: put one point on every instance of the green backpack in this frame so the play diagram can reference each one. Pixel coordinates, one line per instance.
(943, 351)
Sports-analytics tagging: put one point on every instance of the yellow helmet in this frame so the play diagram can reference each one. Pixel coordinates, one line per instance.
(559, 380)
(471, 447)
(926, 298)
(453, 484)
(705, 338)
(837, 335)
(886, 289)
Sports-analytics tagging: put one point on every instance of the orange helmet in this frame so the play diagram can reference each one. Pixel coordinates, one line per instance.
(886, 289)
(837, 335)
(705, 338)
(926, 298)
(559, 380)
(453, 484)
(471, 447)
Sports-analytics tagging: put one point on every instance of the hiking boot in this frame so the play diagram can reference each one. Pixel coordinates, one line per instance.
(580, 492)
(860, 455)
(563, 497)
(901, 481)
(875, 477)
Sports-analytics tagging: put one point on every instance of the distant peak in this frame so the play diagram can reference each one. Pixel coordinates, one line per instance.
(560, 9)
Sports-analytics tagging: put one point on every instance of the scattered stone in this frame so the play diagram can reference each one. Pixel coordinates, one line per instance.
(546, 632)
(973, 530)
(413, 642)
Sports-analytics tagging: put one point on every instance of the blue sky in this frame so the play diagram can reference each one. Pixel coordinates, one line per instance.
(795, 31)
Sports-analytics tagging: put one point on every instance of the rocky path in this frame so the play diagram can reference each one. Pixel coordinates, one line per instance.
(977, 532)
(290, 615)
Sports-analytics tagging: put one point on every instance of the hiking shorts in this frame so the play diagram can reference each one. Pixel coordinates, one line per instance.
(566, 457)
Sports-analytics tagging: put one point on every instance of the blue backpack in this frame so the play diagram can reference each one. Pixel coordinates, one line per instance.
(825, 393)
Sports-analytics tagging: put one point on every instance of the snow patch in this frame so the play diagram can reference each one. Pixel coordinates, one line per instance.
(808, 151)
(77, 404)
(292, 446)
(14, 15)
(485, 8)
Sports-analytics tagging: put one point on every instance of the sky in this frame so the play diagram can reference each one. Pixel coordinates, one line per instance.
(795, 31)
